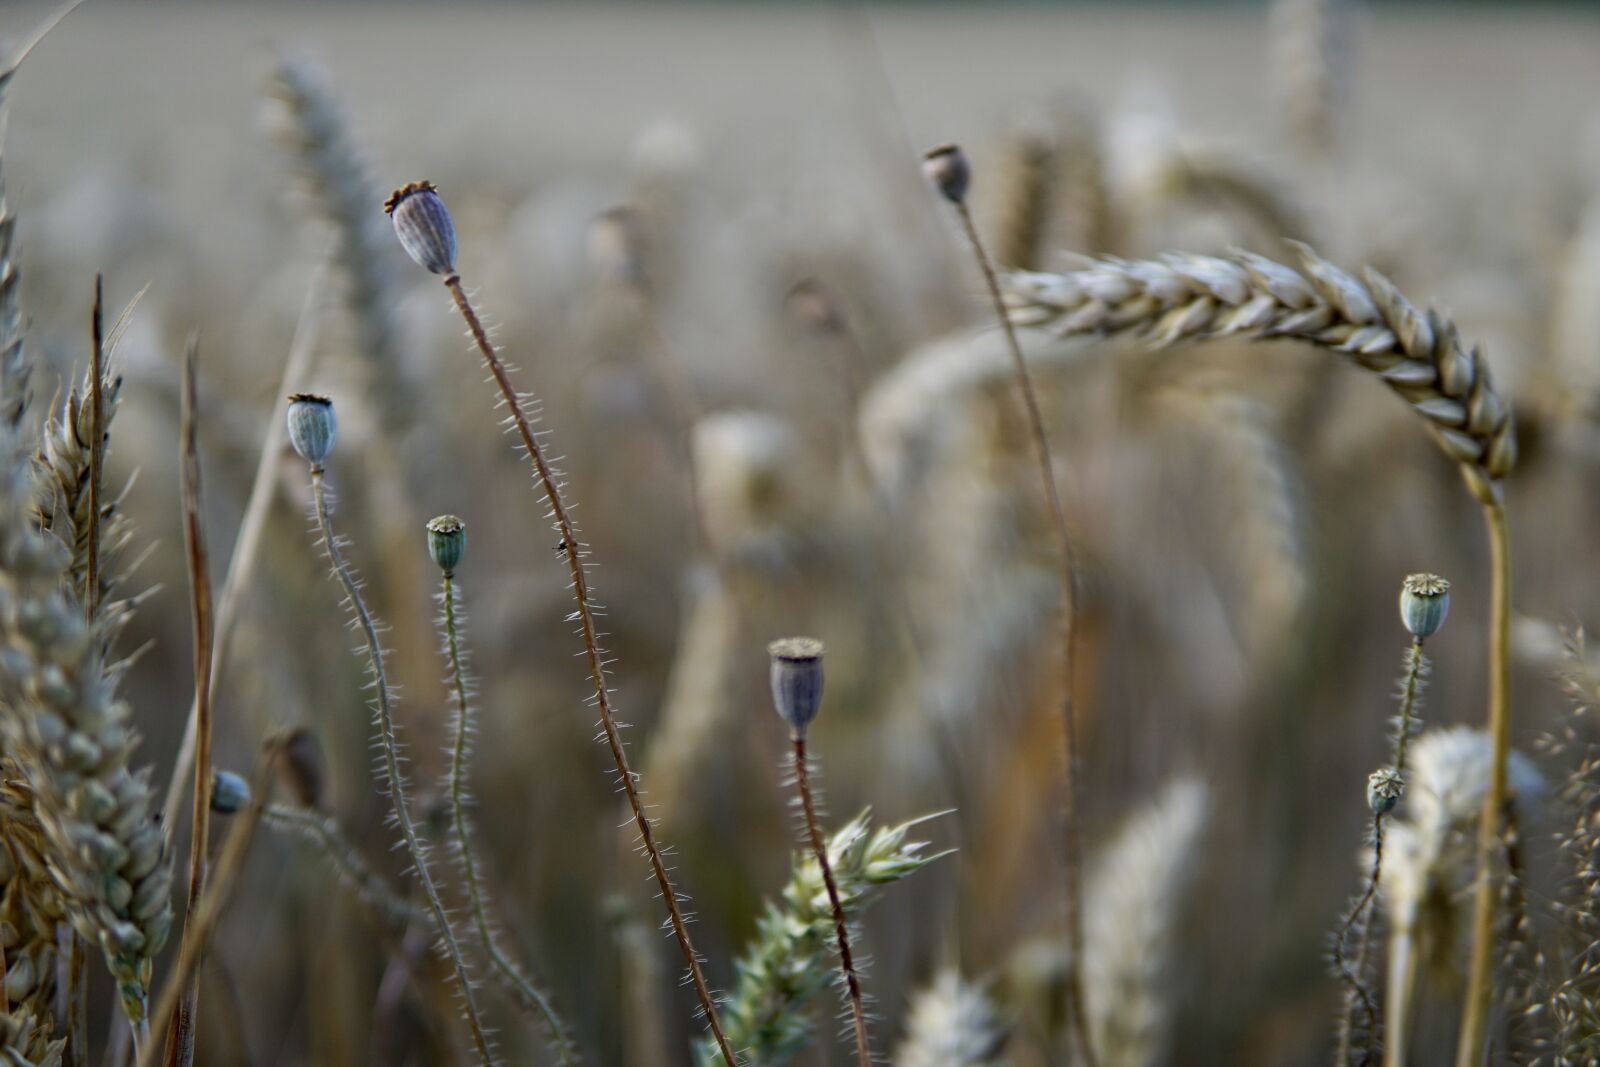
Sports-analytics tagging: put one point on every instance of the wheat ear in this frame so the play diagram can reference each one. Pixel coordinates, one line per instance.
(449, 532)
(784, 968)
(953, 1023)
(424, 227)
(312, 431)
(1417, 354)
(948, 169)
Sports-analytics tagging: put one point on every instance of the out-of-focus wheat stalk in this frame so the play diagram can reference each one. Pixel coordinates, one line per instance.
(1269, 541)
(953, 1023)
(1022, 194)
(786, 967)
(1312, 54)
(335, 180)
(1132, 906)
(1418, 355)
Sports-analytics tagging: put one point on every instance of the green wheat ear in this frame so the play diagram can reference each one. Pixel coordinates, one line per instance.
(787, 964)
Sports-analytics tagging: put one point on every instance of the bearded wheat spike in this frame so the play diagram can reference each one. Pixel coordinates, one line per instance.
(1181, 297)
(69, 733)
(30, 909)
(953, 1023)
(787, 966)
(333, 176)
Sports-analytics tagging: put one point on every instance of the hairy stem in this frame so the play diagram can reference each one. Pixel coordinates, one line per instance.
(1415, 665)
(1476, 1004)
(531, 997)
(1356, 991)
(841, 932)
(391, 758)
(1068, 620)
(591, 644)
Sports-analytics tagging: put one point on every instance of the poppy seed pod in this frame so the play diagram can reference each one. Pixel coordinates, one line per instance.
(313, 428)
(1384, 787)
(1424, 603)
(229, 792)
(447, 542)
(796, 680)
(946, 167)
(422, 223)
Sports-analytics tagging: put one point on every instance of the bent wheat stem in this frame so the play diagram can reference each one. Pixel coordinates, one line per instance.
(841, 932)
(532, 999)
(391, 763)
(1418, 354)
(585, 613)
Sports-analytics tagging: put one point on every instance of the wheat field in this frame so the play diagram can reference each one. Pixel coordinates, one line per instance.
(942, 535)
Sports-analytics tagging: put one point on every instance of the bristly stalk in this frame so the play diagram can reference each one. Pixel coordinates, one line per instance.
(948, 169)
(1424, 604)
(313, 430)
(390, 746)
(841, 932)
(511, 977)
(365, 884)
(423, 225)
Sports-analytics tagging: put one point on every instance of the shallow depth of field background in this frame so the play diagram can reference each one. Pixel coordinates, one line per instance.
(1244, 513)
